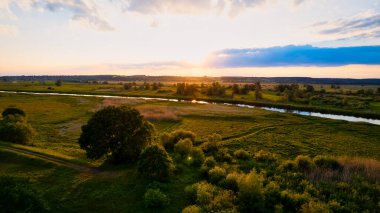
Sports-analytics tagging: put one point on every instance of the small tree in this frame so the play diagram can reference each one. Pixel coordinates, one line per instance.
(155, 163)
(183, 147)
(14, 127)
(154, 198)
(118, 132)
(258, 94)
(58, 83)
(13, 111)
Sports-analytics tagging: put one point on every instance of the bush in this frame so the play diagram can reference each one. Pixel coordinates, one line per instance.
(16, 195)
(210, 162)
(183, 147)
(155, 163)
(15, 128)
(191, 209)
(13, 111)
(293, 201)
(216, 174)
(223, 156)
(314, 207)
(169, 140)
(251, 198)
(325, 162)
(242, 154)
(304, 163)
(232, 181)
(154, 198)
(197, 156)
(265, 157)
(288, 166)
(118, 132)
(211, 144)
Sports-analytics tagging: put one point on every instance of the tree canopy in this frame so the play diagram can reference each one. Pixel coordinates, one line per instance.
(119, 133)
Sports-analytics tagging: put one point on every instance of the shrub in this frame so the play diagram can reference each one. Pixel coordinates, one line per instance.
(155, 163)
(223, 156)
(265, 157)
(232, 181)
(211, 144)
(209, 162)
(216, 174)
(242, 154)
(169, 140)
(16, 195)
(205, 193)
(304, 163)
(251, 198)
(325, 162)
(191, 209)
(210, 198)
(15, 128)
(183, 147)
(13, 111)
(154, 198)
(292, 201)
(197, 156)
(288, 166)
(118, 132)
(314, 207)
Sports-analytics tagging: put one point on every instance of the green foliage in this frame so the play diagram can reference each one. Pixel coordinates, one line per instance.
(242, 154)
(288, 166)
(16, 195)
(197, 156)
(191, 209)
(304, 163)
(211, 145)
(168, 140)
(315, 207)
(58, 83)
(265, 157)
(13, 111)
(154, 198)
(183, 147)
(326, 162)
(211, 198)
(251, 197)
(232, 180)
(154, 162)
(118, 132)
(15, 128)
(216, 174)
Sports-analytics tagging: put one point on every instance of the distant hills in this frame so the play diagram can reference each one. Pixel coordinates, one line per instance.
(227, 79)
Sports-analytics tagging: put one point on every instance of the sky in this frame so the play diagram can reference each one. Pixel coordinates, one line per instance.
(255, 38)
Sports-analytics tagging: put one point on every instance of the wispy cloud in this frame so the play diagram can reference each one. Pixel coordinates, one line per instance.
(84, 12)
(364, 25)
(295, 56)
(230, 7)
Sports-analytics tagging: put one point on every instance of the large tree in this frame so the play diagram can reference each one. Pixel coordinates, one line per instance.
(120, 133)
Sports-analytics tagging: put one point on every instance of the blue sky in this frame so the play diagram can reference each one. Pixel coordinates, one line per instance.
(191, 37)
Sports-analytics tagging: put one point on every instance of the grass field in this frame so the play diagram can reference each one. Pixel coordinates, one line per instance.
(58, 121)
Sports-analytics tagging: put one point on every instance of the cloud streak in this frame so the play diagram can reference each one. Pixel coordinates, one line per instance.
(231, 7)
(365, 25)
(84, 13)
(294, 56)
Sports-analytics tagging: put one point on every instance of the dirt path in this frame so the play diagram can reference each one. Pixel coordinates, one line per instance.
(52, 159)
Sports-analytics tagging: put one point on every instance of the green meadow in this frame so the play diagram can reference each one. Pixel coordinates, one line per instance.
(58, 120)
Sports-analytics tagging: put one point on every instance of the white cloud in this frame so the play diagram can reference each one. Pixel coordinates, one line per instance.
(85, 12)
(230, 7)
